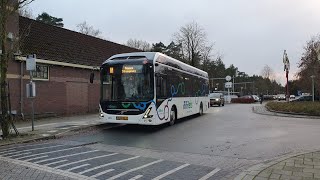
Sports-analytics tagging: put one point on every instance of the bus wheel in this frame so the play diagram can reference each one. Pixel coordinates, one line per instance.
(201, 109)
(172, 116)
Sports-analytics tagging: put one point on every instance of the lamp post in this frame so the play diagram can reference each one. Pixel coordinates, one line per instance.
(312, 78)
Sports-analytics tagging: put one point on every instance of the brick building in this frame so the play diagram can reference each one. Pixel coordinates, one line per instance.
(65, 60)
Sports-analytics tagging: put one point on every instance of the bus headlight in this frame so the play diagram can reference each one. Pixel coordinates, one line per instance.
(147, 113)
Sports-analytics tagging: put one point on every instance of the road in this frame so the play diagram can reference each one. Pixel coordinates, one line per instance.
(218, 145)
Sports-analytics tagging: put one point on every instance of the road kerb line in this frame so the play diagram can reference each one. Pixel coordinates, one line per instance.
(69, 155)
(82, 160)
(105, 165)
(134, 169)
(77, 167)
(102, 173)
(210, 174)
(170, 172)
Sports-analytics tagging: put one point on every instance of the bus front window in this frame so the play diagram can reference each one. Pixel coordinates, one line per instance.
(128, 83)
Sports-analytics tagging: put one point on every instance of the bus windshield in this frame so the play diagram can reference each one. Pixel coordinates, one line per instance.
(127, 82)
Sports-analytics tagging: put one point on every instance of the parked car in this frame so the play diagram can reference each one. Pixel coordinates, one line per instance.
(216, 99)
(292, 96)
(302, 98)
(256, 98)
(281, 97)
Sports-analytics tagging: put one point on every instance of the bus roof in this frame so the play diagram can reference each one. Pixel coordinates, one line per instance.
(163, 59)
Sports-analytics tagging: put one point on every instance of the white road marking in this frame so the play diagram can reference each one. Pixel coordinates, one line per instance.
(6, 151)
(136, 177)
(32, 149)
(170, 172)
(65, 156)
(19, 154)
(210, 174)
(46, 169)
(77, 167)
(56, 162)
(63, 165)
(49, 152)
(102, 173)
(105, 165)
(20, 146)
(36, 158)
(134, 169)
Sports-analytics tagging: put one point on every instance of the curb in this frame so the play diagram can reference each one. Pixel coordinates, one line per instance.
(254, 170)
(282, 114)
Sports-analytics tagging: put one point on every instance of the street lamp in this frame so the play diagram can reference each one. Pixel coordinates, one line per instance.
(312, 78)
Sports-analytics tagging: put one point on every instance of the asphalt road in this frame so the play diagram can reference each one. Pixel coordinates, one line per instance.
(217, 145)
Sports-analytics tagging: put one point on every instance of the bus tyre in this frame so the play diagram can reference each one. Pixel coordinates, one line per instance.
(172, 116)
(201, 109)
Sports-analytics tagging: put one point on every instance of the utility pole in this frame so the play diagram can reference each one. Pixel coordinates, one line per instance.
(312, 78)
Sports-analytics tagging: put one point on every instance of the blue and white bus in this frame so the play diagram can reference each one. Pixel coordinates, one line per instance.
(151, 88)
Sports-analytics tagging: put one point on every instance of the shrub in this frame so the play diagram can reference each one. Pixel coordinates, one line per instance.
(308, 108)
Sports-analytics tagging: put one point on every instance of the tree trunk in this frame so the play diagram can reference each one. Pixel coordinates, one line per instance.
(4, 68)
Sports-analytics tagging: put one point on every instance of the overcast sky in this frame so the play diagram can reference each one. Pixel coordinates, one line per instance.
(248, 33)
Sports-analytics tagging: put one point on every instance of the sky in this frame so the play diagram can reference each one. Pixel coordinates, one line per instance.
(247, 33)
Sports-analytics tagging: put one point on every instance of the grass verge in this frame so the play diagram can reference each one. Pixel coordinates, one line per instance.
(307, 108)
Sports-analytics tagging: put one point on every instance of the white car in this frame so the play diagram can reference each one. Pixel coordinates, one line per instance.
(256, 98)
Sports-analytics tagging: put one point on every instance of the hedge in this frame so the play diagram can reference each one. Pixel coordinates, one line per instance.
(307, 107)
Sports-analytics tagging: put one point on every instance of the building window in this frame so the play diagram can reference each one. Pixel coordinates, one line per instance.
(41, 73)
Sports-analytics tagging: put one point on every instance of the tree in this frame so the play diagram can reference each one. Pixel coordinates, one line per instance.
(139, 44)
(267, 72)
(7, 9)
(309, 65)
(46, 18)
(193, 40)
(84, 28)
(158, 47)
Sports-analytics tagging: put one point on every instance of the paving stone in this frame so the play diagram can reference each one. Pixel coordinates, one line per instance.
(286, 177)
(260, 178)
(303, 174)
(275, 176)
(311, 170)
(304, 166)
(248, 177)
(292, 168)
(264, 174)
(282, 172)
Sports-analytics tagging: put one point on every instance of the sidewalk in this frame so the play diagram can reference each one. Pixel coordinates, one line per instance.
(302, 166)
(299, 166)
(51, 128)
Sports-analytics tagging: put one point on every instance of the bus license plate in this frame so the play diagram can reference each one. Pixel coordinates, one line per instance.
(122, 118)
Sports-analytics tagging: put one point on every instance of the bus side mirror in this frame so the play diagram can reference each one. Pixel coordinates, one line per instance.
(91, 77)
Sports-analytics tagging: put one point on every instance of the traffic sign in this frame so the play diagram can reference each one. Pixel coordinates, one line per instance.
(228, 85)
(228, 78)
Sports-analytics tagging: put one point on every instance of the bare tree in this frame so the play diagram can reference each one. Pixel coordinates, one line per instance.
(85, 28)
(267, 72)
(193, 40)
(7, 9)
(139, 44)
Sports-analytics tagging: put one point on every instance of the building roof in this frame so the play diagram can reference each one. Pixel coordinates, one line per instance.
(59, 44)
